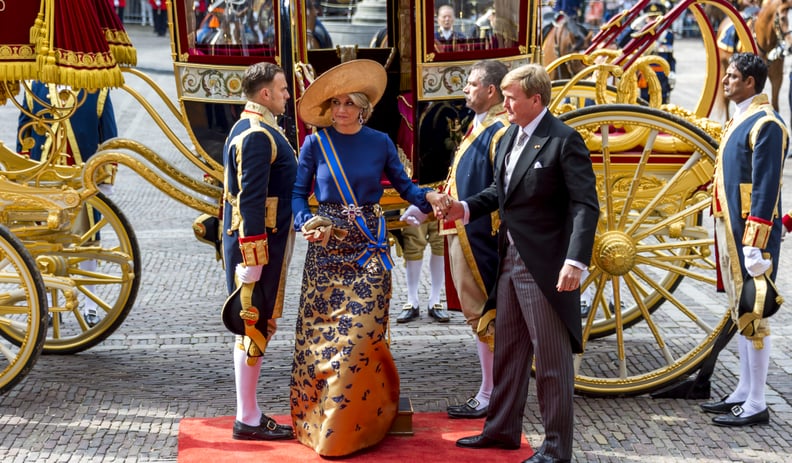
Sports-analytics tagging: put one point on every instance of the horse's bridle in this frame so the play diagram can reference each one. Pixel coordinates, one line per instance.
(779, 33)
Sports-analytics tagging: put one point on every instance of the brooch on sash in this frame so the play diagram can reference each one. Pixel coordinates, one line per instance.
(352, 211)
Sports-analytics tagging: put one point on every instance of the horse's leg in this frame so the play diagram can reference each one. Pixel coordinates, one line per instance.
(775, 71)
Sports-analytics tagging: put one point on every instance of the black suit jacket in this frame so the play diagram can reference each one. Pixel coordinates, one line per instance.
(550, 209)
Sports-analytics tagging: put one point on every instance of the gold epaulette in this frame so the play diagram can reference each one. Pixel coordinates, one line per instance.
(757, 232)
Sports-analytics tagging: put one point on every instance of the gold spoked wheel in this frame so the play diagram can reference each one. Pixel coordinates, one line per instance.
(654, 308)
(581, 94)
(23, 309)
(95, 269)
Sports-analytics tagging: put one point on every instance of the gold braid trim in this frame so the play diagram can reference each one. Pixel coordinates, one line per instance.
(250, 314)
(255, 252)
(121, 47)
(80, 70)
(756, 234)
(486, 329)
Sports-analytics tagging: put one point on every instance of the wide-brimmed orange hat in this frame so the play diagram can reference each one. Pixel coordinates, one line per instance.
(356, 76)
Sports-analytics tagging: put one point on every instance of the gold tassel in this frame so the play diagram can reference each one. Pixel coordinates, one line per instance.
(38, 24)
(124, 54)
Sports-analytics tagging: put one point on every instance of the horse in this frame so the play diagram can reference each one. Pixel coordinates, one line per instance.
(559, 40)
(771, 29)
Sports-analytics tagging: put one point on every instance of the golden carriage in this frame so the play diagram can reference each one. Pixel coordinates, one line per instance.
(652, 274)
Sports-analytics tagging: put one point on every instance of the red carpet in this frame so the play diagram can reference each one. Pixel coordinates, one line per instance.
(209, 440)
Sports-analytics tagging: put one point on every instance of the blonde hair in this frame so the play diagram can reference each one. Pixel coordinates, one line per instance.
(362, 101)
(533, 79)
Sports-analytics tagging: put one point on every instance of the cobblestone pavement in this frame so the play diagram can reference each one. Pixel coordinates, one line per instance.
(171, 359)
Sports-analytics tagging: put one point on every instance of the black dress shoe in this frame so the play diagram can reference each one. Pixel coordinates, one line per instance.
(734, 418)
(409, 312)
(467, 410)
(539, 457)
(265, 421)
(268, 429)
(720, 406)
(483, 442)
(439, 313)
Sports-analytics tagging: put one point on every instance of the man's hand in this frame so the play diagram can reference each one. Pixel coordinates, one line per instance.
(413, 216)
(248, 274)
(272, 327)
(568, 278)
(755, 264)
(452, 210)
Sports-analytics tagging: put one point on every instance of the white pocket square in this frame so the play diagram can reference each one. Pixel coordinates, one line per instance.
(537, 165)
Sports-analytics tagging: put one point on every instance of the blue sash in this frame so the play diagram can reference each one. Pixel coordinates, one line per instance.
(377, 248)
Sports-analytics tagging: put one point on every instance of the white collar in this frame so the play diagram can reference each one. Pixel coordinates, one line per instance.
(531, 127)
(743, 106)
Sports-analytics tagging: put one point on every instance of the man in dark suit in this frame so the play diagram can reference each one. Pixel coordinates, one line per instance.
(445, 36)
(544, 190)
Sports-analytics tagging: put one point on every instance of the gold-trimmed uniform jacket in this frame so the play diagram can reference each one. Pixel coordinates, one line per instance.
(747, 188)
(260, 170)
(471, 172)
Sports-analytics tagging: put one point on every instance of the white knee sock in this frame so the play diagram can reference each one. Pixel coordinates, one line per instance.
(759, 363)
(246, 379)
(437, 269)
(486, 357)
(413, 268)
(89, 266)
(740, 393)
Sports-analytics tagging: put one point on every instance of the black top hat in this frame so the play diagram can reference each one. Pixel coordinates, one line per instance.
(249, 321)
(759, 299)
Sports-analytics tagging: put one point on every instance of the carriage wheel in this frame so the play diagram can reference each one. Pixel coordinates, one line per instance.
(73, 282)
(581, 94)
(655, 311)
(23, 309)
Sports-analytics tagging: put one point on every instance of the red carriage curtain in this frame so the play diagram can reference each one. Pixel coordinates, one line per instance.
(17, 51)
(71, 46)
(115, 34)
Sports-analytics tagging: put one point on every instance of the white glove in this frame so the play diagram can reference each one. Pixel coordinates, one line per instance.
(672, 80)
(158, 3)
(196, 4)
(106, 189)
(413, 216)
(248, 274)
(755, 264)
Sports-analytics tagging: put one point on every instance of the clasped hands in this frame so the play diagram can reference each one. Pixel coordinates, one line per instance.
(445, 207)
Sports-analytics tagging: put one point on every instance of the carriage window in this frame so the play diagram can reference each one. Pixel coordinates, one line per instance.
(233, 28)
(347, 23)
(471, 25)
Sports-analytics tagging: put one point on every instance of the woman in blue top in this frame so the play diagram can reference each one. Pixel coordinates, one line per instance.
(344, 386)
